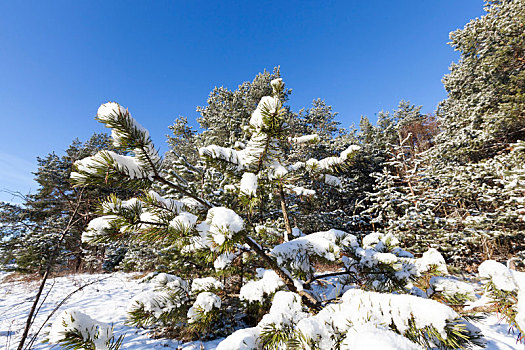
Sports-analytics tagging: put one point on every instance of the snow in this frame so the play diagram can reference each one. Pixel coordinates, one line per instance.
(296, 232)
(277, 171)
(305, 139)
(379, 250)
(224, 153)
(296, 166)
(249, 184)
(330, 162)
(112, 113)
(500, 275)
(97, 226)
(483, 301)
(450, 286)
(184, 220)
(249, 157)
(286, 310)
(350, 150)
(268, 283)
(110, 110)
(74, 320)
(358, 308)
(203, 284)
(221, 223)
(269, 103)
(166, 279)
(114, 206)
(243, 339)
(169, 203)
(131, 166)
(151, 301)
(204, 303)
(332, 180)
(106, 301)
(277, 85)
(370, 336)
(432, 258)
(371, 258)
(230, 188)
(149, 218)
(497, 334)
(507, 280)
(222, 218)
(379, 241)
(224, 260)
(299, 191)
(169, 292)
(295, 251)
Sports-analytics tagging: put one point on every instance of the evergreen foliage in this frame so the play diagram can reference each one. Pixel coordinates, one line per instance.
(484, 109)
(30, 231)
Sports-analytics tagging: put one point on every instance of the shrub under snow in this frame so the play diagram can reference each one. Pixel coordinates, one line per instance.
(73, 327)
(506, 288)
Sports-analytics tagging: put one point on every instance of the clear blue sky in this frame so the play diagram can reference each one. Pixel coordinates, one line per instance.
(59, 60)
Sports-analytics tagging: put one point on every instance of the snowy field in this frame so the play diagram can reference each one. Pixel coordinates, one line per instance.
(107, 301)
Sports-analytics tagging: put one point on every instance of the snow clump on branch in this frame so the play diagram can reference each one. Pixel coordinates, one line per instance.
(91, 331)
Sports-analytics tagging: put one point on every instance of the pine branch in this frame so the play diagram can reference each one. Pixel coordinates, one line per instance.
(181, 190)
(331, 274)
(308, 299)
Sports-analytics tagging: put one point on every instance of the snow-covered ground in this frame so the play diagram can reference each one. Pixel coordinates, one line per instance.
(104, 301)
(107, 300)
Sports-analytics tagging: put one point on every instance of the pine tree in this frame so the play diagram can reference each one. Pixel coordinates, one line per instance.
(244, 242)
(484, 109)
(226, 116)
(31, 230)
(460, 181)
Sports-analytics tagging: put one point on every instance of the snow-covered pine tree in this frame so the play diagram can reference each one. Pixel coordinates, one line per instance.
(474, 209)
(33, 228)
(393, 204)
(481, 121)
(226, 117)
(484, 109)
(337, 208)
(333, 206)
(13, 225)
(285, 279)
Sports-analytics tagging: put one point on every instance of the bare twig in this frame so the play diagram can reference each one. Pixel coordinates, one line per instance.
(15, 194)
(62, 302)
(42, 303)
(49, 266)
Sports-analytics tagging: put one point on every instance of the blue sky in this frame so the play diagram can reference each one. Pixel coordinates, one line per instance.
(59, 60)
